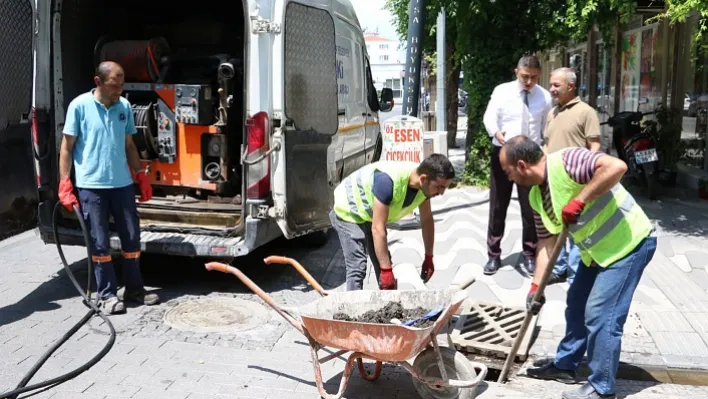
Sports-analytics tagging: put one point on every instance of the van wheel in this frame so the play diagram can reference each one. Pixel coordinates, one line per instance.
(377, 149)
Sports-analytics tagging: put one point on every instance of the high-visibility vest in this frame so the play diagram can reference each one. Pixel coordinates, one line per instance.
(608, 229)
(354, 198)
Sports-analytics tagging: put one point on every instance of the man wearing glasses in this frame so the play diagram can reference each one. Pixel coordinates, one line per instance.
(516, 108)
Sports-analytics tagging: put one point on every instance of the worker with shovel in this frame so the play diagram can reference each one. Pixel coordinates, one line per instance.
(381, 193)
(580, 189)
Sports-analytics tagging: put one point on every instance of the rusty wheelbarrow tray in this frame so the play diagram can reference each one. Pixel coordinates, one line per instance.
(391, 343)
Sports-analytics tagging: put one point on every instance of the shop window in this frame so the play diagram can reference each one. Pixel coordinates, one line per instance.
(639, 69)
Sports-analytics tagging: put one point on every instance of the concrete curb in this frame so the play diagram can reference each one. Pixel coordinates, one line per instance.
(662, 374)
(643, 372)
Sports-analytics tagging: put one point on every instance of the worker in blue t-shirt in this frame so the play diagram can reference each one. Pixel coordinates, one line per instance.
(98, 140)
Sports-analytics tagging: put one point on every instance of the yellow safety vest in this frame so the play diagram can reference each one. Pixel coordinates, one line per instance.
(354, 198)
(608, 229)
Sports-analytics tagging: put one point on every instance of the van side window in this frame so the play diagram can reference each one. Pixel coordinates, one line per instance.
(371, 96)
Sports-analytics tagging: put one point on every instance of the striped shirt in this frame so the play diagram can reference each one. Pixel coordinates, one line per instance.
(580, 164)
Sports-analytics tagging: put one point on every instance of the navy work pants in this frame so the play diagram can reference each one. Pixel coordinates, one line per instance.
(97, 205)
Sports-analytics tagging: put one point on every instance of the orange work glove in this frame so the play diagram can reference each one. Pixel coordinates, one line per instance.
(145, 187)
(66, 195)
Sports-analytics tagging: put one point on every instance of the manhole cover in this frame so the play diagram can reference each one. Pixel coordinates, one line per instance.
(223, 315)
(490, 329)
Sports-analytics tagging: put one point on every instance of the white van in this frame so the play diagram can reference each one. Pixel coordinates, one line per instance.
(249, 112)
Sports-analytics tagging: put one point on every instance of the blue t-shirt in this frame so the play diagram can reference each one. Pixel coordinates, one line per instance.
(99, 152)
(383, 189)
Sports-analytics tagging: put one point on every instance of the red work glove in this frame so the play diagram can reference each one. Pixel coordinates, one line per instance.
(66, 195)
(572, 211)
(145, 187)
(428, 268)
(534, 306)
(386, 279)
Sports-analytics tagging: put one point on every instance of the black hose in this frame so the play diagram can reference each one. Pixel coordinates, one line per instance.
(22, 386)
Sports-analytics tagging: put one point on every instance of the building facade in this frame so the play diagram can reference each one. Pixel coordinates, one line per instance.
(387, 63)
(646, 65)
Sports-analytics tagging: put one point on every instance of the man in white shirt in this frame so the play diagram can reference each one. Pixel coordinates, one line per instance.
(516, 108)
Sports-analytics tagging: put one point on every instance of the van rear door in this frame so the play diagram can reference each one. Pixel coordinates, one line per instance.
(304, 168)
(16, 70)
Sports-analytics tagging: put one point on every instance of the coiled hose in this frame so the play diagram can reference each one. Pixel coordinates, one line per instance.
(146, 122)
(49, 384)
(140, 59)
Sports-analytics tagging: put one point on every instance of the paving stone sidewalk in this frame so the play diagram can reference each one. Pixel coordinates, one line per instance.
(668, 323)
(152, 360)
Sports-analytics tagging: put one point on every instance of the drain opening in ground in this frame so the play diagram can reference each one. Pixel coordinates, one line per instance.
(392, 310)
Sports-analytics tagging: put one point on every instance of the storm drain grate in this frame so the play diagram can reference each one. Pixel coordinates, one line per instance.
(490, 329)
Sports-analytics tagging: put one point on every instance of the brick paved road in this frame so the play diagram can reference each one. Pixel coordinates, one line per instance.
(152, 360)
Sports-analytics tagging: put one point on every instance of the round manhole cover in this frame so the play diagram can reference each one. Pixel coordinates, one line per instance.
(223, 315)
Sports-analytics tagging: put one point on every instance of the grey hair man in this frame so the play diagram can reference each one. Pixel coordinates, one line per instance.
(571, 123)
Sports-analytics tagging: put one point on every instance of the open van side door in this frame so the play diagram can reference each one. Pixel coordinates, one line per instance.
(16, 72)
(310, 120)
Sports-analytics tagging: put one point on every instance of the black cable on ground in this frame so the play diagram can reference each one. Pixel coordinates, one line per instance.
(22, 386)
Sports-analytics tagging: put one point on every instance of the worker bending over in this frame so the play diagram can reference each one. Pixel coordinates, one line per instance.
(98, 138)
(580, 189)
(380, 193)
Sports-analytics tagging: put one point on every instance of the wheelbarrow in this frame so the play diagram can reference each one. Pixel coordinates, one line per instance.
(437, 371)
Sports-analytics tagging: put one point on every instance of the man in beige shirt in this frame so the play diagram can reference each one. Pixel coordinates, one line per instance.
(571, 123)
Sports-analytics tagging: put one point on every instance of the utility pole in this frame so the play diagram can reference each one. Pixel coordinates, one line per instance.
(414, 54)
(440, 108)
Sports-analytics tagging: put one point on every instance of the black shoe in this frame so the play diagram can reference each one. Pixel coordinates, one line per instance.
(556, 279)
(587, 391)
(492, 266)
(549, 371)
(530, 266)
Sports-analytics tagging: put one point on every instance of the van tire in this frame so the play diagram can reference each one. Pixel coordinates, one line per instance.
(377, 149)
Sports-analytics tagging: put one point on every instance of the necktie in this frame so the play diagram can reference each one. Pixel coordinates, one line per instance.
(525, 115)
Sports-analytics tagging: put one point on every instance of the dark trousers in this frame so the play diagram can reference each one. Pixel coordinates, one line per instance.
(97, 205)
(357, 242)
(499, 198)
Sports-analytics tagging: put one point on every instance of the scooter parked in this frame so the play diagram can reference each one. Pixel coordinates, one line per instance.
(636, 147)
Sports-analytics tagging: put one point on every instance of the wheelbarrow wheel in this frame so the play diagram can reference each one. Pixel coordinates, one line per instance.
(365, 374)
(457, 367)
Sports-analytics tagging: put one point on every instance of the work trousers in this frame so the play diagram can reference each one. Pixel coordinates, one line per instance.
(568, 260)
(598, 303)
(357, 243)
(499, 197)
(97, 205)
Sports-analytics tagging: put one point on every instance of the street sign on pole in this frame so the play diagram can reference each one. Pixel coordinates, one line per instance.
(414, 56)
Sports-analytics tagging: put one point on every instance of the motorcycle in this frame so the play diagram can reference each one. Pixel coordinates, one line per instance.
(636, 147)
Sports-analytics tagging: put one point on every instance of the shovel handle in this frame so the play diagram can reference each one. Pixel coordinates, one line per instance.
(560, 241)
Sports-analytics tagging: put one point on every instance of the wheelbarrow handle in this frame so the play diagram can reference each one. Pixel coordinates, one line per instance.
(292, 262)
(221, 267)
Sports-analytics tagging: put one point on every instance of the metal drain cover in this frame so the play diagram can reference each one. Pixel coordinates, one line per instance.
(222, 315)
(490, 329)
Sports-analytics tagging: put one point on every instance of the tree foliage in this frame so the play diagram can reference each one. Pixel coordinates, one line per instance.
(491, 36)
(678, 11)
